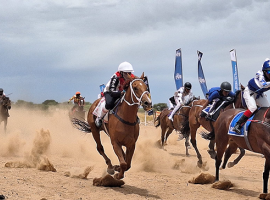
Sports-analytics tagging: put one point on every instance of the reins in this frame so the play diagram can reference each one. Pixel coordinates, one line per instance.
(262, 121)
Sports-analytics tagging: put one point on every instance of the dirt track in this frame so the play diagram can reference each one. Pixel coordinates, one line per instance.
(155, 173)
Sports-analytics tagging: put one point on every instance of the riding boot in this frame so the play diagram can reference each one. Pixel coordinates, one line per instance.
(239, 124)
(99, 119)
(176, 108)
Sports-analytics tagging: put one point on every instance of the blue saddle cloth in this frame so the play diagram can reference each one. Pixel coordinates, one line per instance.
(233, 122)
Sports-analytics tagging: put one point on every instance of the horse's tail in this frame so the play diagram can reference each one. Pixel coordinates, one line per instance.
(80, 125)
(185, 130)
(208, 136)
(157, 121)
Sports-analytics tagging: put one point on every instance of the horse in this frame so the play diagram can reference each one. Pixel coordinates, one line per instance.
(195, 121)
(167, 126)
(5, 105)
(123, 124)
(77, 111)
(258, 139)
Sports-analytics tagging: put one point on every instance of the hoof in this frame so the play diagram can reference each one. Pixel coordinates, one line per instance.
(116, 176)
(199, 164)
(116, 168)
(110, 171)
(230, 164)
(212, 153)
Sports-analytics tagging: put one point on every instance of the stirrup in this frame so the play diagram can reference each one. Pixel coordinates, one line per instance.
(237, 129)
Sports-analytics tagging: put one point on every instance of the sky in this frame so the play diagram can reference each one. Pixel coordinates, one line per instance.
(51, 49)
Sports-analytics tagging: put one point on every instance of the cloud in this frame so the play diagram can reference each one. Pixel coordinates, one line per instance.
(77, 45)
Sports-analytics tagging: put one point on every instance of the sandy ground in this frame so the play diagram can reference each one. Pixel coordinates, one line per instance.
(34, 138)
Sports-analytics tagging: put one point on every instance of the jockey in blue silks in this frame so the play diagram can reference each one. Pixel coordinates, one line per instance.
(216, 96)
(254, 94)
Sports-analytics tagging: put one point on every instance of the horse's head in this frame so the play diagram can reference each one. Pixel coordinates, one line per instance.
(139, 93)
(5, 102)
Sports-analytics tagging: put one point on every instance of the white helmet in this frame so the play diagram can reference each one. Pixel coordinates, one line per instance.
(125, 67)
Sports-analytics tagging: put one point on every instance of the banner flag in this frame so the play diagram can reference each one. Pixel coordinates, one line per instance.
(101, 87)
(201, 75)
(178, 76)
(236, 85)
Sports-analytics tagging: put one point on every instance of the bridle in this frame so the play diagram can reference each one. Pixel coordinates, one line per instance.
(138, 99)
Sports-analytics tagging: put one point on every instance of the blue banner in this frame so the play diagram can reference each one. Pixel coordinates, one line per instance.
(178, 76)
(201, 75)
(101, 87)
(236, 85)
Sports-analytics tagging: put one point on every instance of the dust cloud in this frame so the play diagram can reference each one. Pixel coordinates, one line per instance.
(34, 136)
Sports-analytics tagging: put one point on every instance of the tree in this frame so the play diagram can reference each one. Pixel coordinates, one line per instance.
(50, 102)
(159, 106)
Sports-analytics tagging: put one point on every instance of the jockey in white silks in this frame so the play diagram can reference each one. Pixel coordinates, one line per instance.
(182, 96)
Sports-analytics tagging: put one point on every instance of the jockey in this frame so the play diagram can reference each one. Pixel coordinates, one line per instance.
(181, 97)
(1, 93)
(114, 89)
(217, 95)
(76, 100)
(254, 94)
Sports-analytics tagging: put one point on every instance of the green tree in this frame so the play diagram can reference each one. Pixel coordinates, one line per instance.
(50, 102)
(159, 106)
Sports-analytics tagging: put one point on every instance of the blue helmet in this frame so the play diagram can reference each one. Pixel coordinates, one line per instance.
(266, 65)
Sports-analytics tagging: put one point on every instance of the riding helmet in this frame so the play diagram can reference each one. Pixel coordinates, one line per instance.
(1, 90)
(78, 93)
(125, 67)
(226, 86)
(188, 85)
(266, 65)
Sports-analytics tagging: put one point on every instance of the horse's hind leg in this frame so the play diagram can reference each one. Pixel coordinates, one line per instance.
(187, 145)
(163, 132)
(211, 150)
(242, 153)
(229, 151)
(167, 134)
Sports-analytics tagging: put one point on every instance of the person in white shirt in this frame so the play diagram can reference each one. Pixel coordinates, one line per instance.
(181, 96)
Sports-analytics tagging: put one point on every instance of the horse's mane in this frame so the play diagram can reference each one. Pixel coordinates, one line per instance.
(127, 82)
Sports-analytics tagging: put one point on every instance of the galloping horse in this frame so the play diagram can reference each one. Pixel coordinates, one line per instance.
(167, 126)
(258, 139)
(123, 124)
(5, 105)
(195, 121)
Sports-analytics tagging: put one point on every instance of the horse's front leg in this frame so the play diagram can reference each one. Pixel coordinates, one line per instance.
(121, 157)
(100, 149)
(194, 144)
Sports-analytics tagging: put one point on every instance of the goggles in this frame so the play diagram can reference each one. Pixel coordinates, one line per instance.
(268, 71)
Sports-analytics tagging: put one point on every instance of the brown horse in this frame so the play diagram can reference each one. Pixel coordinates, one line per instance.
(257, 137)
(77, 111)
(123, 125)
(5, 105)
(167, 126)
(195, 121)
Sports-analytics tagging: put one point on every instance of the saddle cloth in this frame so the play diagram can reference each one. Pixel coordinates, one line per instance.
(243, 129)
(98, 110)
